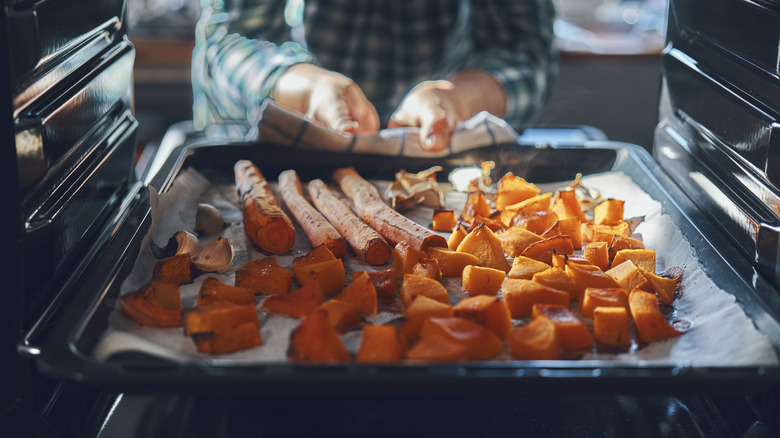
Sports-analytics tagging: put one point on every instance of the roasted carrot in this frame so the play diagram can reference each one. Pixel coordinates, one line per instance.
(364, 240)
(265, 222)
(313, 223)
(394, 226)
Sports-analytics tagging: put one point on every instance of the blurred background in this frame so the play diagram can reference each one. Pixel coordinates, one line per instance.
(609, 74)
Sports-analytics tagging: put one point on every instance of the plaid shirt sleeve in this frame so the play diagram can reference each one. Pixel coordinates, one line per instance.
(236, 61)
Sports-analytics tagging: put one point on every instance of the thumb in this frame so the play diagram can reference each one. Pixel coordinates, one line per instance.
(435, 136)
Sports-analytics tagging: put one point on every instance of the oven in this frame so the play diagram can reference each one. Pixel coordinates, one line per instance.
(78, 217)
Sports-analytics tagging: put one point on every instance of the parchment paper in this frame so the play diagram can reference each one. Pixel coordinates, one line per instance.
(717, 331)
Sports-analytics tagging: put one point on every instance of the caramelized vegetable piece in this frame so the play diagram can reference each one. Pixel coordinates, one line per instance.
(219, 316)
(560, 260)
(628, 276)
(264, 276)
(437, 349)
(597, 254)
(644, 259)
(587, 275)
(565, 204)
(318, 254)
(476, 205)
(414, 285)
(443, 220)
(536, 221)
(451, 263)
(405, 257)
(483, 243)
(534, 341)
(489, 312)
(479, 280)
(571, 332)
(361, 293)
(566, 227)
(138, 305)
(175, 269)
(214, 290)
(315, 340)
(297, 303)
(608, 212)
(457, 236)
(556, 278)
(592, 232)
(385, 282)
(610, 327)
(330, 275)
(539, 202)
(650, 322)
(515, 240)
(521, 295)
(427, 267)
(381, 344)
(480, 343)
(525, 268)
(264, 221)
(342, 315)
(421, 309)
(602, 297)
(664, 287)
(544, 249)
(241, 337)
(512, 189)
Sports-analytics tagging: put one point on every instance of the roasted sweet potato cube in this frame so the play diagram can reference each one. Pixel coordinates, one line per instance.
(556, 278)
(330, 275)
(521, 295)
(565, 204)
(318, 254)
(451, 262)
(297, 303)
(415, 285)
(443, 219)
(361, 293)
(240, 337)
(628, 276)
(620, 242)
(175, 269)
(381, 344)
(592, 232)
(539, 202)
(342, 315)
(490, 312)
(644, 259)
(597, 253)
(480, 343)
(483, 243)
(610, 326)
(602, 297)
(534, 341)
(315, 340)
(427, 267)
(214, 290)
(405, 257)
(385, 282)
(493, 222)
(664, 287)
(437, 349)
(144, 311)
(219, 316)
(650, 322)
(560, 260)
(569, 226)
(571, 331)
(476, 205)
(165, 295)
(525, 268)
(515, 240)
(479, 280)
(536, 221)
(264, 276)
(587, 275)
(421, 309)
(544, 249)
(608, 212)
(512, 189)
(456, 237)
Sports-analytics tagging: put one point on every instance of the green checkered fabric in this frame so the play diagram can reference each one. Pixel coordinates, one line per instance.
(385, 46)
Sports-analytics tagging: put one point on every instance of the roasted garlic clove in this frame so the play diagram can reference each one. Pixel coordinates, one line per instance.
(182, 242)
(217, 256)
(208, 220)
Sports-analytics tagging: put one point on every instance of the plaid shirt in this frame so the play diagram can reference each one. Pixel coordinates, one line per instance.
(385, 46)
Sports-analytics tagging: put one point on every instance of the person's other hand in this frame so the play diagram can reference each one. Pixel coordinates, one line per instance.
(436, 107)
(327, 98)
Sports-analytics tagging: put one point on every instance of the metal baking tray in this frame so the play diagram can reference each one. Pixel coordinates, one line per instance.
(64, 348)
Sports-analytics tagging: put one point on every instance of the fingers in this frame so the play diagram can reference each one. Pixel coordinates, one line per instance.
(435, 133)
(341, 106)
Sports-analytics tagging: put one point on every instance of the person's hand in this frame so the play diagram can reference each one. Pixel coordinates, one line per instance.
(327, 98)
(436, 107)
